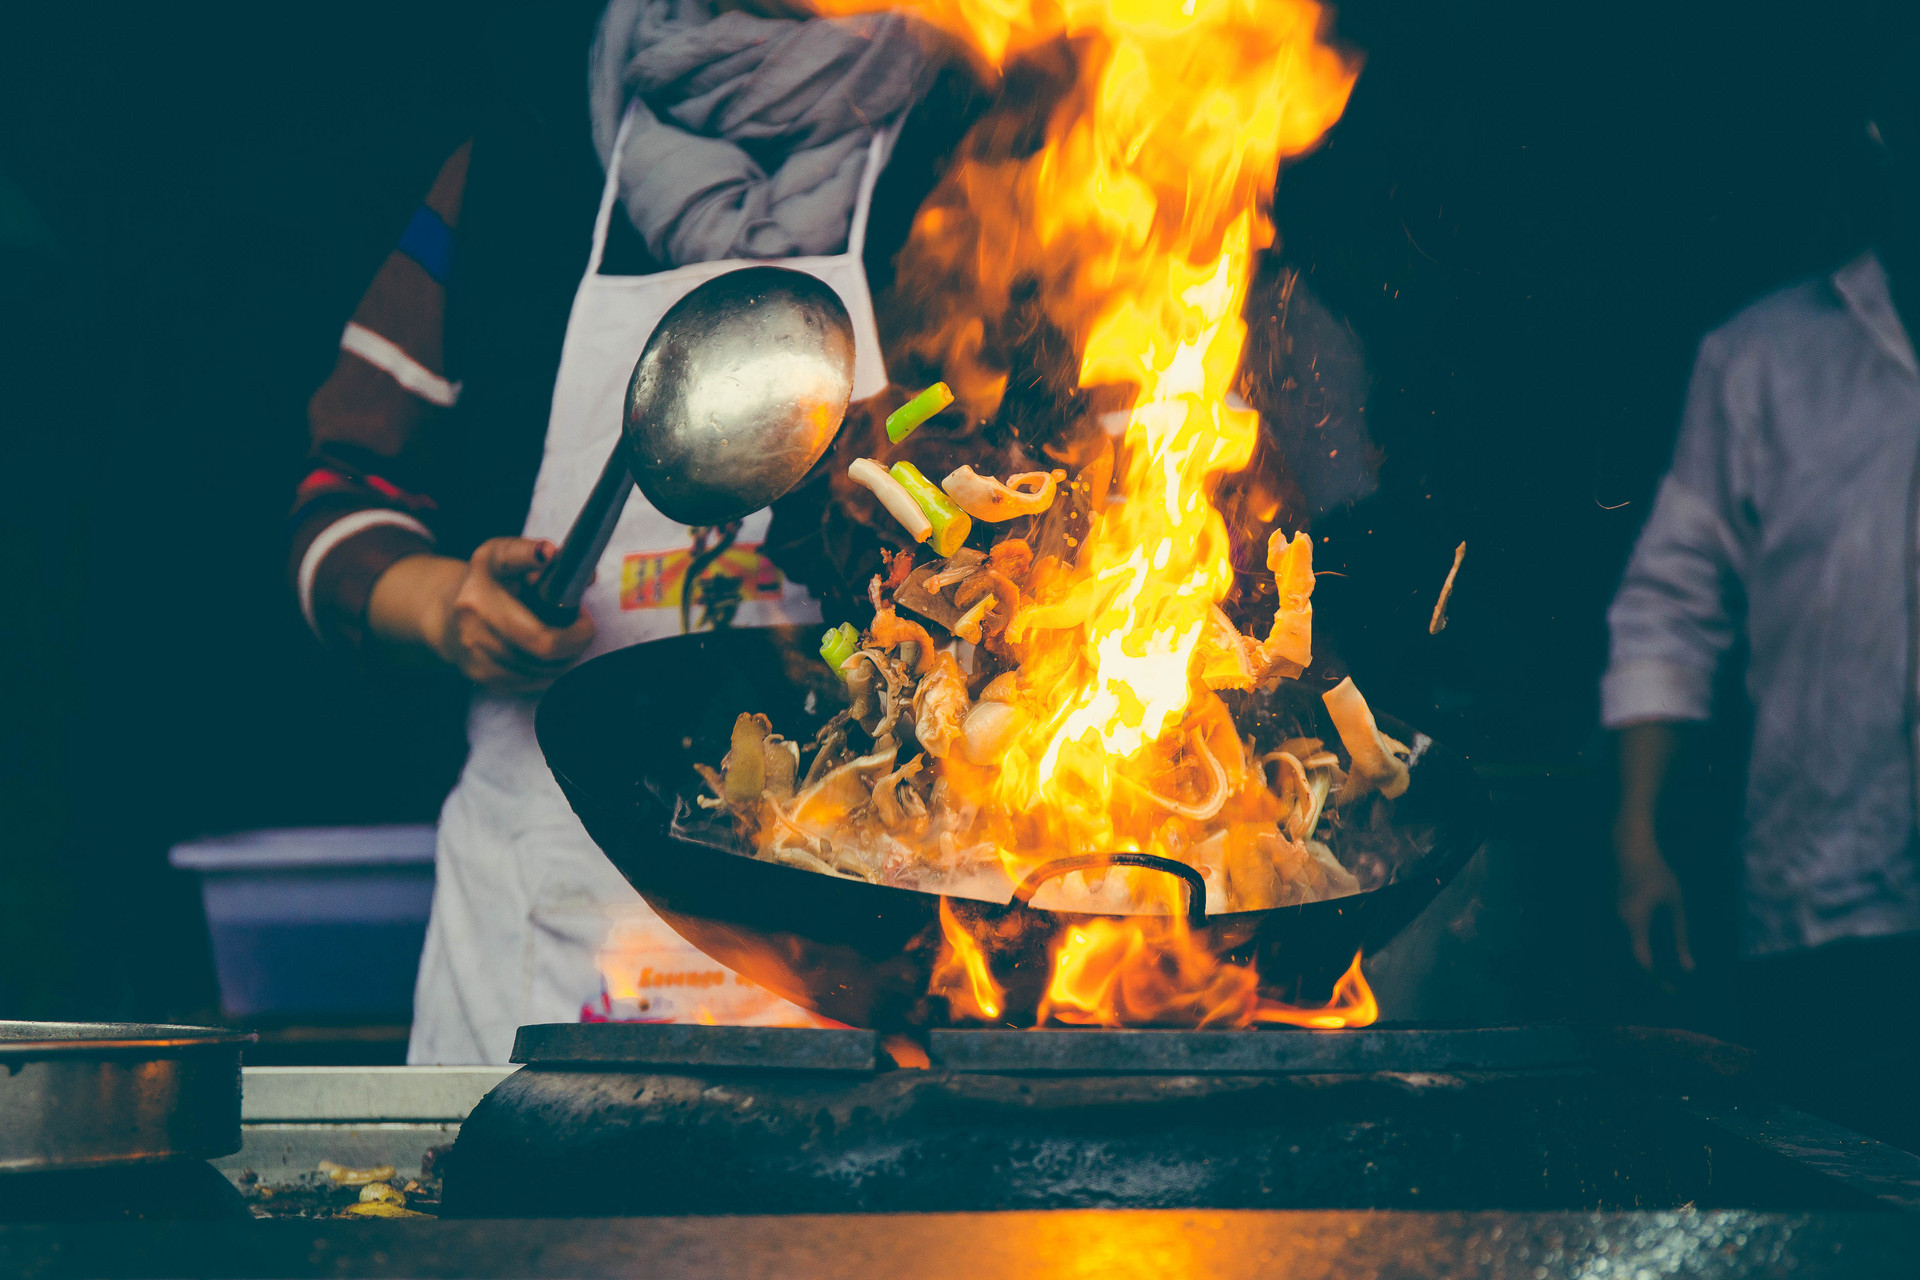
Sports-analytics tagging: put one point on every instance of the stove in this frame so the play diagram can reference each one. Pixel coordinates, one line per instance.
(624, 1119)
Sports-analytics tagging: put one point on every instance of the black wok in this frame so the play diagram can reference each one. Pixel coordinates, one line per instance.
(622, 733)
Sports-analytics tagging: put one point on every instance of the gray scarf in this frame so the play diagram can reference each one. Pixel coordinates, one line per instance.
(749, 134)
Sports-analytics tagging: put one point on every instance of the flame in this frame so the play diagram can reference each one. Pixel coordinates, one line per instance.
(1352, 1005)
(962, 974)
(1134, 231)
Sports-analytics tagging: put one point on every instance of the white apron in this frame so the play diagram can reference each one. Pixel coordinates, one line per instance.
(530, 921)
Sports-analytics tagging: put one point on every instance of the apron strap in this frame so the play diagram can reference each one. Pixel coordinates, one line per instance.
(609, 194)
(877, 155)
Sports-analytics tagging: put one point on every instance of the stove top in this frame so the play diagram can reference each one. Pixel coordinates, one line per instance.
(617, 1119)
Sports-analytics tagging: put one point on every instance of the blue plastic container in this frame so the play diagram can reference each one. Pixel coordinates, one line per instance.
(323, 922)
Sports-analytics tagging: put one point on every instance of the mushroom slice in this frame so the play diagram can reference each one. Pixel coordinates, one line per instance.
(894, 805)
(1375, 766)
(746, 762)
(924, 591)
(976, 589)
(957, 567)
(782, 766)
(985, 498)
(823, 806)
(1012, 558)
(967, 625)
(889, 630)
(940, 706)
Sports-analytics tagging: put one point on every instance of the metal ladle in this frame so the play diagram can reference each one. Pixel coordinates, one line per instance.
(736, 395)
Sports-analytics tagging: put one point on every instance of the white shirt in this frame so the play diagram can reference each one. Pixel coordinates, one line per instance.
(1789, 515)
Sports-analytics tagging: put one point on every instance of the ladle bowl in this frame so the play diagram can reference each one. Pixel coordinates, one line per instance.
(735, 396)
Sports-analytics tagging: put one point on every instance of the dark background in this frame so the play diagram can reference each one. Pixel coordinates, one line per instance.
(1529, 215)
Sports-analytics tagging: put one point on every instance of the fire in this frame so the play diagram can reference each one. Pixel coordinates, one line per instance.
(962, 973)
(1134, 230)
(1352, 1005)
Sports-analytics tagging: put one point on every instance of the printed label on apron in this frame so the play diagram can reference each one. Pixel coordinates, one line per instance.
(658, 580)
(648, 975)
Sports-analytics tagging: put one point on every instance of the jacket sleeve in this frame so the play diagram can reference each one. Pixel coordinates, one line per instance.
(1677, 610)
(359, 505)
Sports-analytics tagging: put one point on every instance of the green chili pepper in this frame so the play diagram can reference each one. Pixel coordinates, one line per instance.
(903, 421)
(839, 644)
(951, 525)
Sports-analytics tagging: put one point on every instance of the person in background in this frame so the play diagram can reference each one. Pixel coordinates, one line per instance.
(1789, 520)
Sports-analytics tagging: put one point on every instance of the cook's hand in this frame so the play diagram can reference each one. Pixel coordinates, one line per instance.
(1646, 885)
(468, 614)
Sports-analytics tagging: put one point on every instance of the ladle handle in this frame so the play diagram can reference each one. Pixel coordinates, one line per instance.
(555, 595)
(1196, 885)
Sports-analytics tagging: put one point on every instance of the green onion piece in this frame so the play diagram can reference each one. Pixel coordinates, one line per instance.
(951, 525)
(839, 644)
(903, 421)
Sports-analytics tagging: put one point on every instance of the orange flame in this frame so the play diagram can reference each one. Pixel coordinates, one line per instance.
(1135, 228)
(961, 972)
(1352, 1005)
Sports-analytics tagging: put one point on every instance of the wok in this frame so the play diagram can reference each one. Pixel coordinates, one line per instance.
(621, 734)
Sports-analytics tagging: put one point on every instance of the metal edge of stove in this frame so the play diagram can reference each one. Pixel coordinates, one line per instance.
(1873, 1168)
(647, 1044)
(1257, 1052)
(294, 1117)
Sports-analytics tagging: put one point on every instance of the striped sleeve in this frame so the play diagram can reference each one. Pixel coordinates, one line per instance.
(360, 504)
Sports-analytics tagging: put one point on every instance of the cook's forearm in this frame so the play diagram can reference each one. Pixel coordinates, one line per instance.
(407, 607)
(1646, 753)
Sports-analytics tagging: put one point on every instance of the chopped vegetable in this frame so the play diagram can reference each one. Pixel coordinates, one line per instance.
(905, 420)
(893, 496)
(985, 498)
(950, 524)
(839, 644)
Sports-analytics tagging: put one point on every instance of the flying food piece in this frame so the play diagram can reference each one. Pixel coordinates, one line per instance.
(905, 420)
(988, 499)
(893, 496)
(1439, 622)
(1376, 767)
(1288, 648)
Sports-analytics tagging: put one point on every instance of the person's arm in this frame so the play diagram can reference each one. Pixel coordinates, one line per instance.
(363, 563)
(1645, 884)
(466, 613)
(1670, 623)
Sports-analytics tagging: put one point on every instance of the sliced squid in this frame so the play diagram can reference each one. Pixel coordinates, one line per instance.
(1376, 767)
(986, 498)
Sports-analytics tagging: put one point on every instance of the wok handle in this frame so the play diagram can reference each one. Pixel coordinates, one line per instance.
(555, 595)
(1196, 885)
